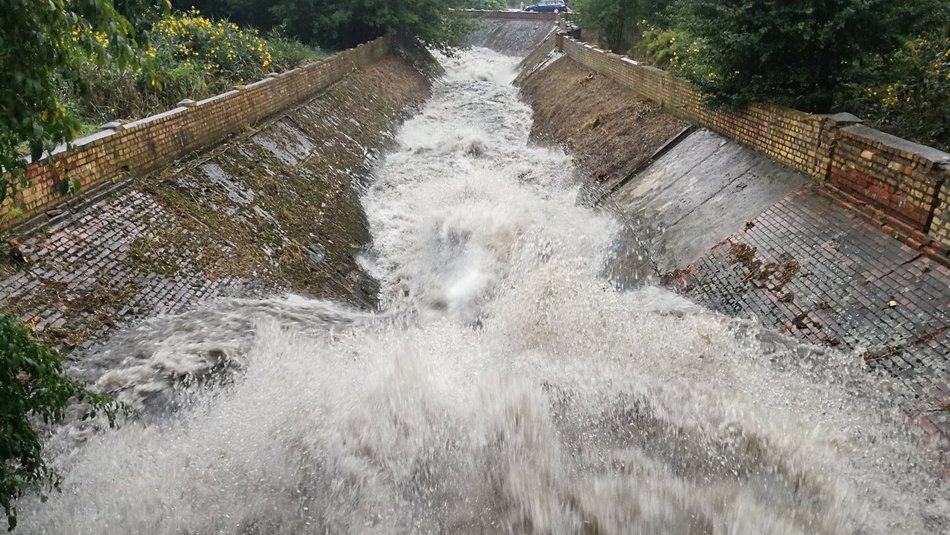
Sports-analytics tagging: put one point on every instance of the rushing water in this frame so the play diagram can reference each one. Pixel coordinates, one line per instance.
(506, 386)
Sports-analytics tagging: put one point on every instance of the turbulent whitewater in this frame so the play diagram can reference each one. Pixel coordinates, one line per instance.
(506, 385)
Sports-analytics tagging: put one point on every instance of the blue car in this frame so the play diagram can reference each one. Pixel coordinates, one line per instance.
(548, 6)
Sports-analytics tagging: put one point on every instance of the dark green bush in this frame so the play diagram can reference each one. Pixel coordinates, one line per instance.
(908, 92)
(794, 53)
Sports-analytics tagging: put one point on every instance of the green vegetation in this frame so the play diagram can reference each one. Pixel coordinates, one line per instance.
(338, 24)
(793, 53)
(907, 92)
(33, 389)
(191, 56)
(42, 46)
(618, 22)
(72, 64)
(888, 62)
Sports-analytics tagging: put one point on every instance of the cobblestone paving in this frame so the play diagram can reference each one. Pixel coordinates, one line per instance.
(819, 271)
(106, 266)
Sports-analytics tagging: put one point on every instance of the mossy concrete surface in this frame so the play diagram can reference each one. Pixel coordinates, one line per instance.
(273, 209)
(609, 131)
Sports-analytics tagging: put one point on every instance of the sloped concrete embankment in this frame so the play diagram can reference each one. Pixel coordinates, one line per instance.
(609, 131)
(749, 237)
(273, 209)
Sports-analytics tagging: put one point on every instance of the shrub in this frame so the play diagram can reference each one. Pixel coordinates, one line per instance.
(33, 388)
(191, 57)
(129, 93)
(908, 92)
(219, 49)
(793, 53)
(288, 53)
(666, 48)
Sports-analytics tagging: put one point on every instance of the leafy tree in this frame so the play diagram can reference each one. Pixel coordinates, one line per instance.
(33, 387)
(142, 14)
(252, 13)
(345, 23)
(792, 53)
(906, 93)
(41, 43)
(616, 22)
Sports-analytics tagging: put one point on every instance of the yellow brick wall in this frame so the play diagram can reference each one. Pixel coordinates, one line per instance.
(940, 228)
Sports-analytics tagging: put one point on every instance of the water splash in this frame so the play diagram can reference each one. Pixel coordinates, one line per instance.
(507, 387)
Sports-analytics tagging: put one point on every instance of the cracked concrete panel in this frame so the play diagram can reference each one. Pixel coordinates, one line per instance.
(730, 208)
(703, 189)
(688, 154)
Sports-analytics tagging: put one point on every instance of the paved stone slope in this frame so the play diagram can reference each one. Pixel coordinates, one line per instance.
(812, 268)
(701, 190)
(271, 210)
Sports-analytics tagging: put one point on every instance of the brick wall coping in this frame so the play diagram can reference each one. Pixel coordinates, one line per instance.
(910, 150)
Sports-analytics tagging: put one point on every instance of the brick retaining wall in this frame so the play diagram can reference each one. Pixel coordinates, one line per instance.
(906, 180)
(148, 144)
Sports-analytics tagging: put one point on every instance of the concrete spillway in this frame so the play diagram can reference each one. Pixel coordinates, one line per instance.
(510, 36)
(504, 385)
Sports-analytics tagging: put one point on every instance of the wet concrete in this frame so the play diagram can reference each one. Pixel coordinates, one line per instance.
(610, 132)
(816, 270)
(704, 188)
(511, 37)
